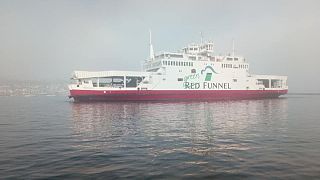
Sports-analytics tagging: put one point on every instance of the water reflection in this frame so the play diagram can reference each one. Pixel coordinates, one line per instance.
(199, 128)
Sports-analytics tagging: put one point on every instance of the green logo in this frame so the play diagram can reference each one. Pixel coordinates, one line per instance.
(208, 74)
(208, 77)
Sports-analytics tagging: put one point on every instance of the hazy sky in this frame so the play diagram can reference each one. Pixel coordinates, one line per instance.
(48, 39)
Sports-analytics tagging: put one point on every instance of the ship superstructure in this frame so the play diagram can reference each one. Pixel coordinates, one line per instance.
(193, 73)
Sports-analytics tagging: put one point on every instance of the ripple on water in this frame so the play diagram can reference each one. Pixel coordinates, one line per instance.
(48, 137)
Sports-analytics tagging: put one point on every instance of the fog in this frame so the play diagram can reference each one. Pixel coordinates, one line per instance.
(48, 39)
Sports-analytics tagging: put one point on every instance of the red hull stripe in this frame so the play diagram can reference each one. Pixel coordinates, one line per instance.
(150, 95)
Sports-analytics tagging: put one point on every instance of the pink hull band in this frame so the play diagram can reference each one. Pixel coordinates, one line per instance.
(159, 95)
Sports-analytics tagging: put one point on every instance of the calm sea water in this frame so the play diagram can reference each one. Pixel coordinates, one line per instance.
(50, 137)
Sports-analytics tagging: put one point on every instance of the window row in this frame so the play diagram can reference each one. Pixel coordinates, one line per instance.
(177, 63)
(241, 66)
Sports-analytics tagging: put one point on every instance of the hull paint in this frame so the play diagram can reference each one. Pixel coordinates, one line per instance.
(165, 95)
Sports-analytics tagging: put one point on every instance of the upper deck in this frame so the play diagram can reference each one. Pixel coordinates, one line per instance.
(192, 53)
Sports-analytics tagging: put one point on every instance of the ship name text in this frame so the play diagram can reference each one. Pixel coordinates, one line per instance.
(206, 85)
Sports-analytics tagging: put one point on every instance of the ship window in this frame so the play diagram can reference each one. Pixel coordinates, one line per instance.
(229, 59)
(133, 81)
(105, 82)
(117, 81)
(193, 71)
(235, 80)
(236, 59)
(191, 63)
(184, 63)
(94, 82)
(192, 57)
(180, 79)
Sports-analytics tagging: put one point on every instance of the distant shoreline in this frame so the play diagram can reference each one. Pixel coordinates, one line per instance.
(303, 94)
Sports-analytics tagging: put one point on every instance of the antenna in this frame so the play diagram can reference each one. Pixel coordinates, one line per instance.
(233, 47)
(151, 47)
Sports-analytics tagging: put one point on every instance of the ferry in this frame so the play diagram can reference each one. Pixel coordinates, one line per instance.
(192, 73)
